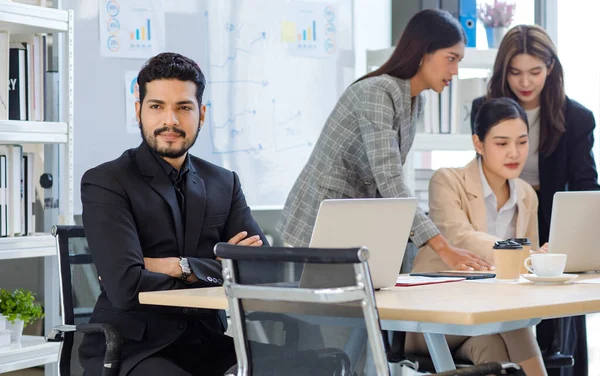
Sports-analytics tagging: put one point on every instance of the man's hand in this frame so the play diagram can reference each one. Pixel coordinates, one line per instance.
(543, 249)
(458, 258)
(241, 239)
(164, 265)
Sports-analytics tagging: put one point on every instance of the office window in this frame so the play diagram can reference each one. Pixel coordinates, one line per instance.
(576, 21)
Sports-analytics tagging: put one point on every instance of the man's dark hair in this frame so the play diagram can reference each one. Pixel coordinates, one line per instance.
(170, 65)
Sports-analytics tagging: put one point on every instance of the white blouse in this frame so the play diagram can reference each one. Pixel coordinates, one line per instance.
(501, 223)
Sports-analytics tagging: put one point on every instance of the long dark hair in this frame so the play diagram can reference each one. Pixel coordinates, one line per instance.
(534, 41)
(495, 111)
(426, 32)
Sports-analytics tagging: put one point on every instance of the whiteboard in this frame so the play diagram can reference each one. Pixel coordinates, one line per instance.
(271, 83)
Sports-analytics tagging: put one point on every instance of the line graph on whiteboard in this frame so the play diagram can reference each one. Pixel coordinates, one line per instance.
(272, 80)
(246, 113)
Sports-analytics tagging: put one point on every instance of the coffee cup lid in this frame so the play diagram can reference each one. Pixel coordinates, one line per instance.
(507, 244)
(522, 241)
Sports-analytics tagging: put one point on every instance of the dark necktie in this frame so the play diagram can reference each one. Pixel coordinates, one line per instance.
(180, 196)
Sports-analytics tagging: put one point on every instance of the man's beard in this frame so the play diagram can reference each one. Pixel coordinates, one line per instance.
(167, 151)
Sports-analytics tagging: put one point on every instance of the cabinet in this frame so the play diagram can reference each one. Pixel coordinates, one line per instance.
(22, 19)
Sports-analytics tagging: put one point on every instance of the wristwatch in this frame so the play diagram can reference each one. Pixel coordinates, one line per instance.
(186, 271)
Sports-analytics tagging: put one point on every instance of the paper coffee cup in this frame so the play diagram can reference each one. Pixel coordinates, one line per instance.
(508, 259)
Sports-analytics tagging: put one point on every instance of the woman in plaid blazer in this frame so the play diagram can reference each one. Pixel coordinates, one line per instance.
(367, 136)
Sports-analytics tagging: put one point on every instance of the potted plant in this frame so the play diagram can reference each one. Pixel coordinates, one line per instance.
(20, 309)
(496, 18)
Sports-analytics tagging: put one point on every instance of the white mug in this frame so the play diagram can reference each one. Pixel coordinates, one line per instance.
(546, 264)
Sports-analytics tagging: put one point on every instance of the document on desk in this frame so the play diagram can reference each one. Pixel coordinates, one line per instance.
(408, 280)
(521, 280)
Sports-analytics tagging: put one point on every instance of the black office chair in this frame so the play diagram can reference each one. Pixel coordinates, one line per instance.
(267, 285)
(80, 288)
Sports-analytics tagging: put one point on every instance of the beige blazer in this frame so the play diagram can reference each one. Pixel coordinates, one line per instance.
(457, 207)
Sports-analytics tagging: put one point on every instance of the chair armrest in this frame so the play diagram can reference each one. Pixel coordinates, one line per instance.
(493, 368)
(57, 332)
(558, 360)
(112, 356)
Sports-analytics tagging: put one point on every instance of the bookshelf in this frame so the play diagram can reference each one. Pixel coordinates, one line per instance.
(33, 351)
(34, 132)
(22, 19)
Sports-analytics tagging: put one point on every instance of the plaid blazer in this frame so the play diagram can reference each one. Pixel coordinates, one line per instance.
(359, 154)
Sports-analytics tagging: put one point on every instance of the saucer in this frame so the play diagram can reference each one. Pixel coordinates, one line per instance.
(550, 280)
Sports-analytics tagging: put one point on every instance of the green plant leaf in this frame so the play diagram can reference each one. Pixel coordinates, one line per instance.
(19, 304)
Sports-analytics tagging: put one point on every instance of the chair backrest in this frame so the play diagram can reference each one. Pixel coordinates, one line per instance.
(280, 327)
(80, 288)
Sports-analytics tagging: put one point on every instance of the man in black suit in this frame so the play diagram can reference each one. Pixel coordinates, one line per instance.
(152, 217)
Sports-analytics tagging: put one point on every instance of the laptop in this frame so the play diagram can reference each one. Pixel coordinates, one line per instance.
(381, 224)
(574, 229)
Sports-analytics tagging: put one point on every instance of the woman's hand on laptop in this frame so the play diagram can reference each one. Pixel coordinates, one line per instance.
(457, 258)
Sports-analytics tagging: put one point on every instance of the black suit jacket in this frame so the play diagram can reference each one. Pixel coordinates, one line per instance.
(571, 167)
(130, 211)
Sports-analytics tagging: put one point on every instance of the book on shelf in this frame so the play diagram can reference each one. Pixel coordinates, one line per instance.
(28, 189)
(445, 107)
(3, 195)
(4, 82)
(27, 66)
(51, 89)
(469, 89)
(15, 157)
(17, 82)
(17, 191)
(449, 112)
(434, 111)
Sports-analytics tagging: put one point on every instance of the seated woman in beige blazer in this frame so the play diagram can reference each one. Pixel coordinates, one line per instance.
(478, 204)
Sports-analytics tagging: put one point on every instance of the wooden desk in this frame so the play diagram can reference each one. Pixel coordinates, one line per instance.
(461, 308)
(458, 303)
